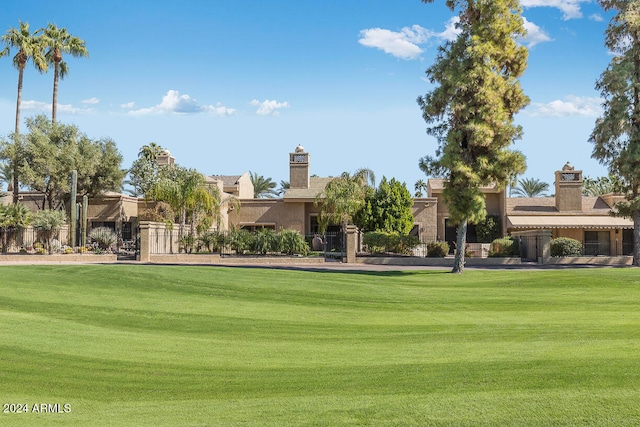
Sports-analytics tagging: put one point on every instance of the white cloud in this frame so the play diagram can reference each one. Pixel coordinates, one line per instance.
(45, 107)
(35, 106)
(596, 17)
(451, 32)
(269, 108)
(173, 102)
(405, 44)
(91, 101)
(535, 34)
(570, 8)
(572, 106)
(128, 105)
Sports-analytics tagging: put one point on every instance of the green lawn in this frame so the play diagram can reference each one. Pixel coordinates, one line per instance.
(195, 346)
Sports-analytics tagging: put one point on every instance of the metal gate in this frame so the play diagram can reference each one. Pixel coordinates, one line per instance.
(529, 248)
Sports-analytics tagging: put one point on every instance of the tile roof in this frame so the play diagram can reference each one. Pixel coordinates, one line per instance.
(547, 206)
(316, 185)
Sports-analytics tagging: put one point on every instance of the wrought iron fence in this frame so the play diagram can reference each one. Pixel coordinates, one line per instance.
(31, 241)
(597, 248)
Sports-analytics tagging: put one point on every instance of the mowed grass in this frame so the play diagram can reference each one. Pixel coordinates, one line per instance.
(206, 346)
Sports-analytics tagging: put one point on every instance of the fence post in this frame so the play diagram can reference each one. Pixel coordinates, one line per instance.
(351, 244)
(145, 241)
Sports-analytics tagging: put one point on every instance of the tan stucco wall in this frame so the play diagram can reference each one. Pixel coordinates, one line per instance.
(495, 205)
(425, 215)
(112, 209)
(245, 187)
(284, 215)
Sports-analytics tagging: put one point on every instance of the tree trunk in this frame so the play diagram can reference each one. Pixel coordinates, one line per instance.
(54, 103)
(16, 183)
(461, 242)
(636, 238)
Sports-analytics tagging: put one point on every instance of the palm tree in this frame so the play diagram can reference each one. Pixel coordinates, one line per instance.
(284, 186)
(420, 186)
(185, 190)
(150, 151)
(601, 185)
(29, 47)
(262, 187)
(343, 197)
(530, 187)
(59, 41)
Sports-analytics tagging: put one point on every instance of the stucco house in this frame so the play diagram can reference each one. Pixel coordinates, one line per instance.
(297, 209)
(567, 214)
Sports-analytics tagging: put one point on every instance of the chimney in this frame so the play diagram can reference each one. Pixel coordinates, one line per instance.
(165, 158)
(299, 168)
(568, 189)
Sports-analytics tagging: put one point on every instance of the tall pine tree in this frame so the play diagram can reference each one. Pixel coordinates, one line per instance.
(470, 111)
(616, 136)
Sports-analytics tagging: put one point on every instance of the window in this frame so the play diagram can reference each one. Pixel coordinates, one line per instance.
(597, 243)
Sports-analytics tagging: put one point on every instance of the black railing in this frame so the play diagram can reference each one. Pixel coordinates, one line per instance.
(596, 248)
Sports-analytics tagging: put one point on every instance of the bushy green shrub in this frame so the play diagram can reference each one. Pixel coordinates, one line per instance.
(504, 247)
(238, 240)
(379, 242)
(489, 229)
(565, 246)
(375, 242)
(437, 249)
(264, 241)
(293, 243)
(211, 241)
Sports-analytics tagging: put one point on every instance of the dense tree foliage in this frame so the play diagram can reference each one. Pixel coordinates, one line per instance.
(471, 109)
(51, 151)
(188, 194)
(143, 173)
(343, 197)
(387, 208)
(616, 135)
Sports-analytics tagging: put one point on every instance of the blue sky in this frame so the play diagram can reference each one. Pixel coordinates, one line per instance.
(233, 86)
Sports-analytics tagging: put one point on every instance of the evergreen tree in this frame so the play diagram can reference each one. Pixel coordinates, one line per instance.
(616, 136)
(388, 209)
(470, 112)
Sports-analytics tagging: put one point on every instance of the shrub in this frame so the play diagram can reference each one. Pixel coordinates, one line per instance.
(292, 242)
(565, 246)
(104, 237)
(378, 242)
(211, 241)
(186, 243)
(489, 229)
(264, 241)
(238, 240)
(504, 247)
(437, 249)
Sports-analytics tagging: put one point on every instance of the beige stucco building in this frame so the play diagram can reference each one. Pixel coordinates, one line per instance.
(297, 209)
(567, 214)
